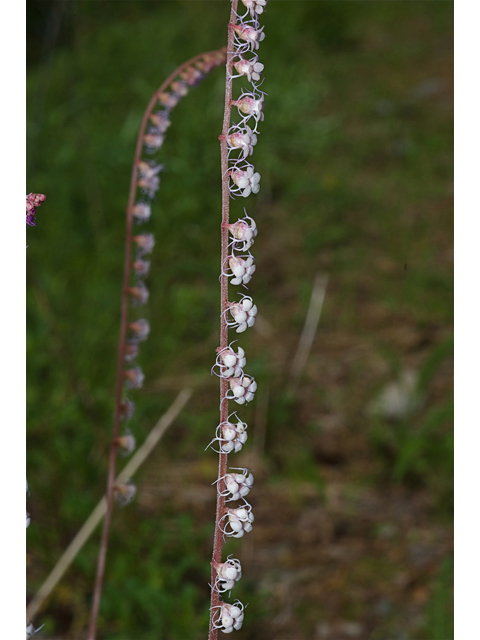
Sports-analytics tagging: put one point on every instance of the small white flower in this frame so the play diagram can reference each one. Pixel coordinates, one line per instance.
(250, 68)
(230, 363)
(160, 121)
(140, 329)
(124, 493)
(134, 377)
(168, 100)
(246, 181)
(230, 617)
(251, 36)
(148, 177)
(250, 105)
(179, 88)
(243, 231)
(239, 521)
(228, 574)
(141, 267)
(141, 212)
(255, 6)
(238, 485)
(243, 314)
(242, 270)
(153, 140)
(244, 140)
(139, 294)
(145, 243)
(242, 389)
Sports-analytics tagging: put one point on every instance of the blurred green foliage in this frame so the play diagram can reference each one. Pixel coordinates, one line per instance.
(356, 169)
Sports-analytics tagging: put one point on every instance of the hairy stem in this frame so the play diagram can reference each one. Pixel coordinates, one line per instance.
(97, 592)
(222, 463)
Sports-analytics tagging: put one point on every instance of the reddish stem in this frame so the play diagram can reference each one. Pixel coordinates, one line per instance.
(102, 555)
(223, 457)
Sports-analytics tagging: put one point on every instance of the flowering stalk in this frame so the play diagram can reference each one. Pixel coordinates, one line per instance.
(144, 183)
(238, 178)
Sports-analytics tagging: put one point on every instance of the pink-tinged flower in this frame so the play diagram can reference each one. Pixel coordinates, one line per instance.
(124, 493)
(242, 270)
(246, 181)
(141, 212)
(126, 442)
(244, 140)
(228, 574)
(141, 267)
(252, 36)
(230, 363)
(127, 409)
(230, 616)
(243, 314)
(139, 293)
(250, 105)
(243, 232)
(168, 100)
(239, 520)
(34, 200)
(145, 242)
(242, 389)
(179, 88)
(153, 141)
(140, 329)
(134, 377)
(191, 76)
(148, 178)
(230, 436)
(255, 6)
(238, 485)
(250, 68)
(160, 121)
(131, 350)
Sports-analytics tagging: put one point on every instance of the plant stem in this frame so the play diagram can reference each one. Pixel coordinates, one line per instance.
(97, 591)
(223, 457)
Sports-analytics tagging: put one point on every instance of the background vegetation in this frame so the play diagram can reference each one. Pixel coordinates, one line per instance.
(353, 529)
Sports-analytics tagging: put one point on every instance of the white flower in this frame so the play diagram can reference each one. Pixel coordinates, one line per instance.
(255, 6)
(251, 36)
(231, 437)
(160, 121)
(230, 617)
(242, 389)
(134, 377)
(239, 521)
(238, 485)
(250, 68)
(243, 314)
(153, 140)
(243, 231)
(242, 270)
(139, 294)
(124, 493)
(244, 140)
(140, 329)
(145, 243)
(228, 574)
(141, 211)
(230, 363)
(246, 181)
(148, 178)
(250, 105)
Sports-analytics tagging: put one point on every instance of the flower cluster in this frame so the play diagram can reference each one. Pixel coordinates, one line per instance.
(230, 617)
(34, 200)
(239, 143)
